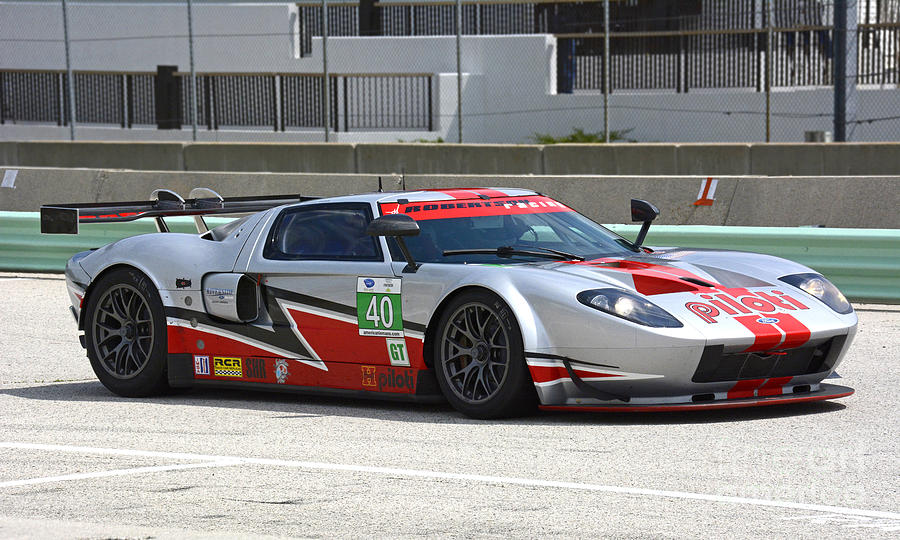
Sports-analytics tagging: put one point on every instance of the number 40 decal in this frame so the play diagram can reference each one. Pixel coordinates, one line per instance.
(378, 307)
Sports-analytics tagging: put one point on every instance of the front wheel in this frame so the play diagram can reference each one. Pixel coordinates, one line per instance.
(479, 358)
(125, 334)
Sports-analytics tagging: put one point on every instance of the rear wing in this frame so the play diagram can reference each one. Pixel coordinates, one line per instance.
(65, 218)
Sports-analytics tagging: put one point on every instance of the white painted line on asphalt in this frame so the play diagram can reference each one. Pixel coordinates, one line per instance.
(117, 472)
(414, 473)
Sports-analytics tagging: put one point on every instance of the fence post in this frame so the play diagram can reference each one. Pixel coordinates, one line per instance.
(70, 80)
(606, 81)
(346, 107)
(326, 91)
(193, 74)
(459, 71)
(430, 109)
(845, 69)
(770, 13)
(275, 115)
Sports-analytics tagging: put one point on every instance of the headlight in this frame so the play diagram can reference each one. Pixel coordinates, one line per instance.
(822, 289)
(628, 306)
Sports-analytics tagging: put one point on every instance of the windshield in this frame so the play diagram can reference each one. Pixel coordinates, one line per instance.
(526, 223)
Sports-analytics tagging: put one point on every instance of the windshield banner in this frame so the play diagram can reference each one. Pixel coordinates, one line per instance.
(493, 207)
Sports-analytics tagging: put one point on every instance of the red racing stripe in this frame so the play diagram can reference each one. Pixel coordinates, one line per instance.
(796, 333)
(540, 374)
(768, 336)
(650, 279)
(745, 389)
(773, 387)
(648, 284)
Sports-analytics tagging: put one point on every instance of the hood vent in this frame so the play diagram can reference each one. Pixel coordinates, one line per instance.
(699, 282)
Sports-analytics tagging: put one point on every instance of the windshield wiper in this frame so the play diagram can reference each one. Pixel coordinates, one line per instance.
(509, 251)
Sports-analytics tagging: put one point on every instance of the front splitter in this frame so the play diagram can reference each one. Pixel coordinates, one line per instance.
(825, 391)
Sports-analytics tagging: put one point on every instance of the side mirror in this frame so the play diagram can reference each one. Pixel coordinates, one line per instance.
(397, 226)
(643, 211)
(393, 225)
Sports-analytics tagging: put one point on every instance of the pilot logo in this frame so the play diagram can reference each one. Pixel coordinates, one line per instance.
(201, 365)
(227, 367)
(281, 371)
(368, 376)
(767, 320)
(734, 302)
(399, 379)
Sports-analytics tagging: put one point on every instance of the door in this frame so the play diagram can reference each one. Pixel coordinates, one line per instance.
(331, 296)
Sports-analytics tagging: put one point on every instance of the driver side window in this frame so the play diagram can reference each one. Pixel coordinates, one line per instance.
(323, 232)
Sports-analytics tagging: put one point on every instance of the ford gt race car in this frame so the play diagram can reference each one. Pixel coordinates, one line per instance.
(497, 300)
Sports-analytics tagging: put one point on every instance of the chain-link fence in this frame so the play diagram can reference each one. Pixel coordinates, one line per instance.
(541, 70)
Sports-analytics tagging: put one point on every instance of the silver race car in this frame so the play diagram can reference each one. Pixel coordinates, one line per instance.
(497, 300)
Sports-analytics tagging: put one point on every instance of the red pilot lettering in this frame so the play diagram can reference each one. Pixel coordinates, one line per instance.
(792, 300)
(705, 311)
(732, 303)
(758, 304)
(724, 307)
(775, 300)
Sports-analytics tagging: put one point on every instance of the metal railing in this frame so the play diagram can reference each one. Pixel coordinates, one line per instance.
(280, 101)
(683, 60)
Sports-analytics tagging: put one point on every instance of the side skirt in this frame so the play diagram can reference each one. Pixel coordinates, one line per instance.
(181, 375)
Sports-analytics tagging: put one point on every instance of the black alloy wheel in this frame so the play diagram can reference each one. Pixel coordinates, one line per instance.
(479, 358)
(125, 334)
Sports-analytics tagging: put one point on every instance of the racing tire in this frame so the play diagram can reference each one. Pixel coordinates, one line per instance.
(479, 358)
(125, 334)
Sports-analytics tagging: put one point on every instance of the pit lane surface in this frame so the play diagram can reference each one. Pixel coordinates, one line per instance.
(79, 462)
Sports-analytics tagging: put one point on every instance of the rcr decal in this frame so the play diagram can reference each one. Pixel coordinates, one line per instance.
(737, 302)
(227, 367)
(378, 307)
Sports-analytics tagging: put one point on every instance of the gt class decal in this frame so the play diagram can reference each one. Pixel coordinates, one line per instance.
(397, 352)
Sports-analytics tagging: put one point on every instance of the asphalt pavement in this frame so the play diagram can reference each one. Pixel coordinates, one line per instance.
(79, 462)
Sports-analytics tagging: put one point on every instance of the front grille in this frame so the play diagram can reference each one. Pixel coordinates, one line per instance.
(715, 366)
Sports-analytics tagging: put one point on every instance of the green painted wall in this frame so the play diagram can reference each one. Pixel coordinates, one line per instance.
(863, 263)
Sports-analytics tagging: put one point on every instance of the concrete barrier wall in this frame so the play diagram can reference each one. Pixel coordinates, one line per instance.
(781, 159)
(854, 202)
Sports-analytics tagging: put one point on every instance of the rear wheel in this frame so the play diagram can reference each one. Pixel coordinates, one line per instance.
(125, 334)
(479, 358)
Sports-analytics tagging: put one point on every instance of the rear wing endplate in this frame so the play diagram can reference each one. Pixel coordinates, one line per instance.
(65, 218)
